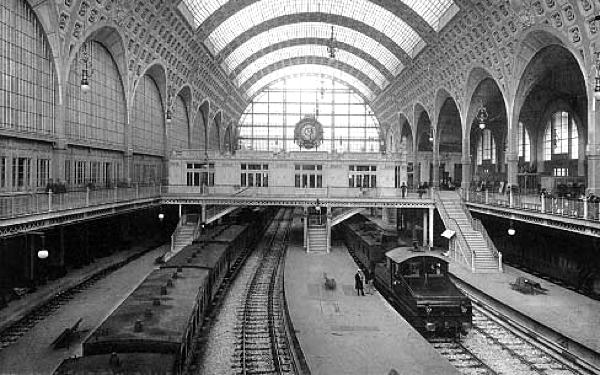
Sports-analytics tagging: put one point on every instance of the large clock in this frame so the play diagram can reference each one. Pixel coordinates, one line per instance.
(308, 133)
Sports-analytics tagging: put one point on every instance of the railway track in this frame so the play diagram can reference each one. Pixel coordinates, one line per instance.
(262, 345)
(497, 345)
(14, 332)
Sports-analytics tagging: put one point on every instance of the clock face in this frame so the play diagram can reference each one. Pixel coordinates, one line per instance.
(308, 133)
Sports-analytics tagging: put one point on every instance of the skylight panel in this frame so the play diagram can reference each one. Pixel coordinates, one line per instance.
(315, 50)
(202, 9)
(313, 30)
(432, 11)
(311, 69)
(361, 10)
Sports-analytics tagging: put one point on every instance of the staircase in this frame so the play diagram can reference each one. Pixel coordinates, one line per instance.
(471, 243)
(343, 214)
(317, 238)
(183, 235)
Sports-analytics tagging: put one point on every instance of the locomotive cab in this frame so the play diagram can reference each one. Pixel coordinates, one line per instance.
(429, 299)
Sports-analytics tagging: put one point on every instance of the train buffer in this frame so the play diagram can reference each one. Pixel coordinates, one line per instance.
(526, 286)
(64, 339)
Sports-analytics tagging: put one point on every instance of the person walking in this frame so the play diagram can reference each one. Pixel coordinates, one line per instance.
(358, 284)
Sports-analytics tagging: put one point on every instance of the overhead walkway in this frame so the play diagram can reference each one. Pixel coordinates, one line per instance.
(24, 212)
(470, 244)
(581, 216)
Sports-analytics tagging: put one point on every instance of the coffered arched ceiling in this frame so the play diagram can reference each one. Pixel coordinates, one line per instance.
(376, 39)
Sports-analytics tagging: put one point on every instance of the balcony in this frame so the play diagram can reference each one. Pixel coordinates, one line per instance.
(577, 215)
(20, 212)
(293, 196)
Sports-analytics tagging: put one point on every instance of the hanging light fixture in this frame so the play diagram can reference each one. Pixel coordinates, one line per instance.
(511, 229)
(86, 57)
(482, 116)
(169, 116)
(331, 45)
(431, 134)
(43, 252)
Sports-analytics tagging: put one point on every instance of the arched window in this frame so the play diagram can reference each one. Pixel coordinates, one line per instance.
(561, 136)
(100, 114)
(178, 130)
(148, 118)
(486, 148)
(27, 74)
(197, 133)
(524, 143)
(348, 123)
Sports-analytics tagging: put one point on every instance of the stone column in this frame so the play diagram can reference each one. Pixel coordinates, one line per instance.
(466, 159)
(593, 178)
(305, 217)
(425, 229)
(329, 219)
(59, 154)
(431, 212)
(435, 158)
(592, 150)
(512, 155)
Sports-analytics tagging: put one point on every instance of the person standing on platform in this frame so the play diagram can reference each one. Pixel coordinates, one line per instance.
(358, 284)
(368, 282)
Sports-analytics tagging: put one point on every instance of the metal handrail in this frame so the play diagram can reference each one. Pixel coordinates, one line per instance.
(196, 233)
(175, 232)
(463, 245)
(478, 226)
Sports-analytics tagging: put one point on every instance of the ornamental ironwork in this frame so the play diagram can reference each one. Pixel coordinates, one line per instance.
(308, 133)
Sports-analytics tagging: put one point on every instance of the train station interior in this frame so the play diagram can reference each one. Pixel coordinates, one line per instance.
(462, 130)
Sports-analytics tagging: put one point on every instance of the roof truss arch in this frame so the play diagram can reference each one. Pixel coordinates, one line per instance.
(314, 41)
(210, 21)
(314, 71)
(313, 60)
(331, 19)
(314, 53)
(295, 75)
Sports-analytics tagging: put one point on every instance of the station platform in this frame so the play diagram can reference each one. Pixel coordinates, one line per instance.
(17, 309)
(33, 353)
(342, 333)
(571, 314)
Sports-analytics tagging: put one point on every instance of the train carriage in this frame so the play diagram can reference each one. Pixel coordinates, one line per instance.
(210, 256)
(429, 300)
(160, 317)
(152, 331)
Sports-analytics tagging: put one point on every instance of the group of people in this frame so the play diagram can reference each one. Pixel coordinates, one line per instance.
(362, 281)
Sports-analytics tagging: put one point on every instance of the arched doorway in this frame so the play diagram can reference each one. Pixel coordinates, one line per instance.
(552, 124)
(488, 136)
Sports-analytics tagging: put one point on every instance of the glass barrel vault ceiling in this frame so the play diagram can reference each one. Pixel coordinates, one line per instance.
(311, 50)
(312, 69)
(231, 25)
(313, 30)
(361, 10)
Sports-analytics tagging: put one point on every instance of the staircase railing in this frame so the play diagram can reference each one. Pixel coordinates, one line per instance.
(197, 229)
(478, 226)
(176, 231)
(459, 238)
